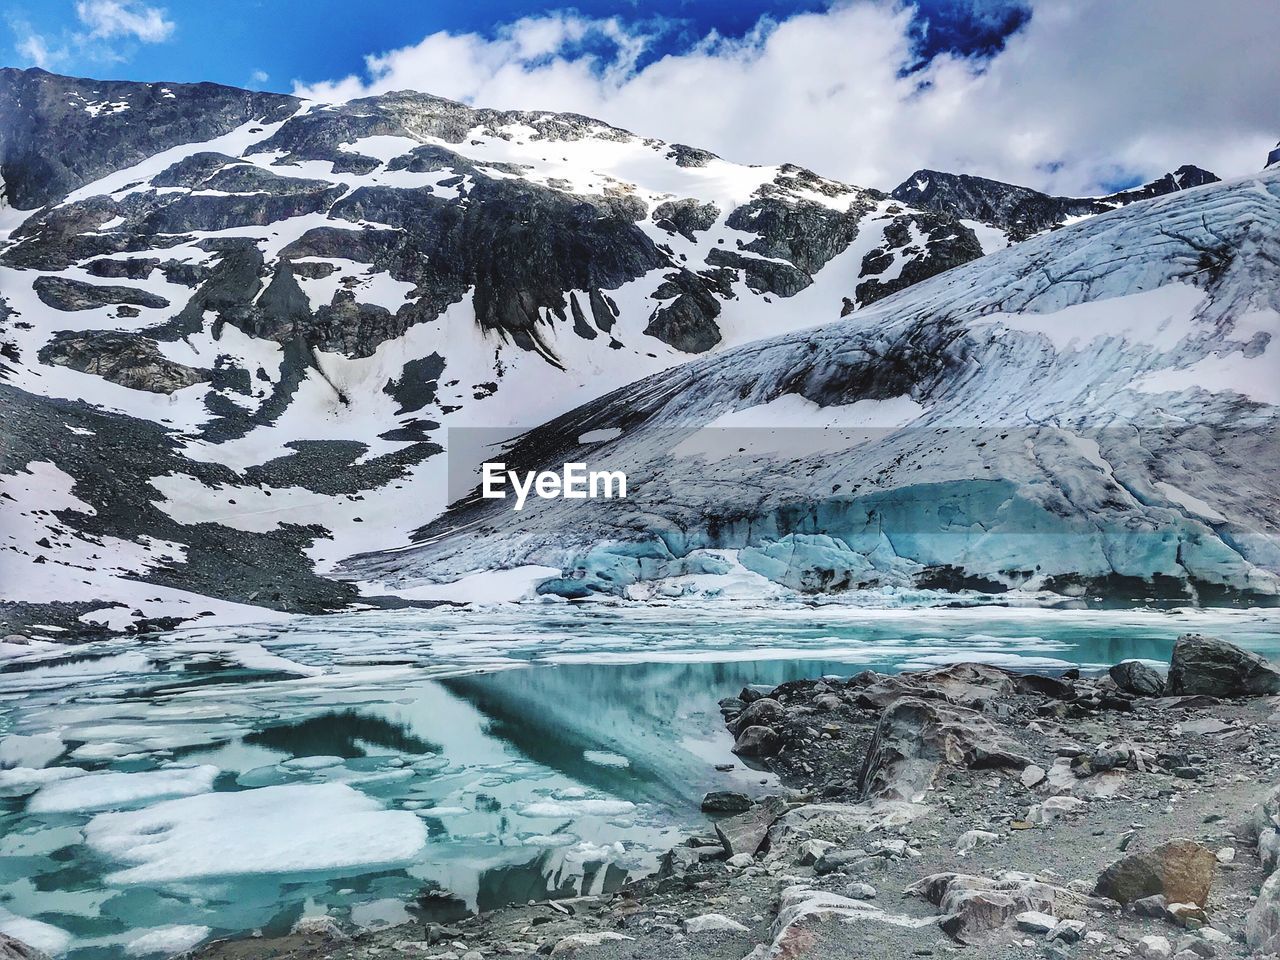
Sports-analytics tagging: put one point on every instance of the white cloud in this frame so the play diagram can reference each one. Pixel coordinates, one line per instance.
(116, 19)
(35, 50)
(1089, 90)
(259, 76)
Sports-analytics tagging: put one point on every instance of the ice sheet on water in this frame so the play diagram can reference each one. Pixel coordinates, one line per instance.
(20, 781)
(272, 830)
(113, 789)
(602, 758)
(165, 940)
(35, 933)
(38, 750)
(577, 808)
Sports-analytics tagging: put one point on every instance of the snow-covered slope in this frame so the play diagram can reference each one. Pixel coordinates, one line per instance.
(237, 337)
(1094, 411)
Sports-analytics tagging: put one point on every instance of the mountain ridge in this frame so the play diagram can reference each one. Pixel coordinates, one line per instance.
(237, 361)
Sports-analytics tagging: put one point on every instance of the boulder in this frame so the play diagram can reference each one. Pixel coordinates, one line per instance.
(915, 737)
(759, 713)
(974, 906)
(1266, 827)
(1033, 921)
(1138, 678)
(713, 922)
(1212, 667)
(746, 832)
(725, 801)
(570, 945)
(1181, 870)
(325, 928)
(757, 741)
(1262, 928)
(13, 949)
(1154, 947)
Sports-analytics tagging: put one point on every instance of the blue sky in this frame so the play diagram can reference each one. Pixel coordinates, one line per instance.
(271, 44)
(1068, 96)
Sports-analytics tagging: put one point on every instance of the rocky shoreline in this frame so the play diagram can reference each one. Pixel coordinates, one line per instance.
(963, 810)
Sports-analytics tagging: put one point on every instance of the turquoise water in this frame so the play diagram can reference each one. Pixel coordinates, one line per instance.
(224, 780)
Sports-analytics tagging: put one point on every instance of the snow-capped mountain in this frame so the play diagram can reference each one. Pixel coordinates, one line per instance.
(1092, 412)
(237, 328)
(1004, 213)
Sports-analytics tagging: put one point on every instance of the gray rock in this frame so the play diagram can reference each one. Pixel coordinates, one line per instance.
(712, 922)
(1154, 947)
(62, 293)
(725, 801)
(1068, 931)
(915, 737)
(860, 891)
(1033, 921)
(13, 949)
(762, 711)
(324, 927)
(973, 906)
(746, 832)
(1262, 928)
(837, 861)
(1136, 677)
(1213, 667)
(757, 742)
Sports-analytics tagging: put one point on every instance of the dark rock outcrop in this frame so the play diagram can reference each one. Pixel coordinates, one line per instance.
(1215, 668)
(129, 359)
(62, 293)
(59, 133)
(1136, 677)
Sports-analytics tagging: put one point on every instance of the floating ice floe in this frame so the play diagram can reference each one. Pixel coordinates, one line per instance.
(273, 830)
(102, 790)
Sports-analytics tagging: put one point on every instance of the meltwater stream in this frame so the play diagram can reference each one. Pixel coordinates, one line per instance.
(218, 781)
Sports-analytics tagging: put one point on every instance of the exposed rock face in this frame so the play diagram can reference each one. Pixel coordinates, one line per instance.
(62, 293)
(1021, 211)
(1213, 667)
(130, 360)
(686, 217)
(61, 132)
(1179, 870)
(943, 243)
(915, 737)
(1136, 677)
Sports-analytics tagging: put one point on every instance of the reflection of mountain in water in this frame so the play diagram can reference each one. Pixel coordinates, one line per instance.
(663, 717)
(542, 878)
(339, 733)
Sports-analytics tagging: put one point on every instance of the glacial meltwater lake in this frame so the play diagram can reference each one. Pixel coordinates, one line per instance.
(160, 792)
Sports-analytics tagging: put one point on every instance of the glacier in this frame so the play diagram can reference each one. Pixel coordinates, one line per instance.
(1097, 417)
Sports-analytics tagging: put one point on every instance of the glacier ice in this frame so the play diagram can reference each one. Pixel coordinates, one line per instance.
(1063, 433)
